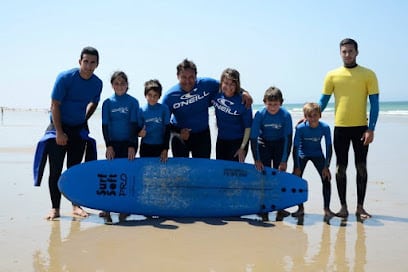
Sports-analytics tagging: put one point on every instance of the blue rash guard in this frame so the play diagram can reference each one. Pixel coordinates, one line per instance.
(190, 109)
(272, 127)
(307, 142)
(155, 119)
(232, 116)
(75, 93)
(120, 114)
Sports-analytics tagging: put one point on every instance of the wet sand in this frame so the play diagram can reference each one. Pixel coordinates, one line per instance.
(30, 243)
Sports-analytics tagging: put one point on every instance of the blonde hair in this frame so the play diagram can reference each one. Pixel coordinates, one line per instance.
(311, 107)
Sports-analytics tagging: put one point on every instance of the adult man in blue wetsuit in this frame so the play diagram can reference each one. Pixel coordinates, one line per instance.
(74, 98)
(188, 102)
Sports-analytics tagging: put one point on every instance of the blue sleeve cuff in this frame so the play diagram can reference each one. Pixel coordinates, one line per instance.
(374, 111)
(324, 100)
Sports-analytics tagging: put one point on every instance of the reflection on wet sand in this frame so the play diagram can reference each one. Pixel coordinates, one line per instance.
(342, 257)
(232, 244)
(320, 261)
(360, 259)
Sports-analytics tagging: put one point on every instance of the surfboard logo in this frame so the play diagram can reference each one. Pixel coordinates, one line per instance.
(112, 184)
(189, 98)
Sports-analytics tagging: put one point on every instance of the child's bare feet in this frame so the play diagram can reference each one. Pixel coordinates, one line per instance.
(78, 211)
(343, 213)
(107, 218)
(53, 214)
(360, 212)
(123, 216)
(102, 214)
(281, 214)
(264, 216)
(299, 212)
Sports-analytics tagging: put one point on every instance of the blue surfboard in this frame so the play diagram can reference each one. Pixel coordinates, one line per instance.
(181, 187)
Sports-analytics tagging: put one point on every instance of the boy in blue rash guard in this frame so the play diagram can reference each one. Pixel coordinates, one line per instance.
(156, 123)
(74, 98)
(233, 119)
(188, 102)
(307, 147)
(120, 115)
(271, 136)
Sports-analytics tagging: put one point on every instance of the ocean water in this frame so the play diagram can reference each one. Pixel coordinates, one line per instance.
(15, 122)
(16, 116)
(386, 108)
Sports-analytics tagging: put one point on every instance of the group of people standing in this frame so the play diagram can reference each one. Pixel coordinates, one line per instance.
(181, 121)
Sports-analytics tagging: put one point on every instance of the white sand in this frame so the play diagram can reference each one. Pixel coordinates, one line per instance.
(30, 243)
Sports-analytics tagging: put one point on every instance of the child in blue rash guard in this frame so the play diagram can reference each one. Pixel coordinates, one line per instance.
(233, 119)
(156, 123)
(307, 147)
(120, 115)
(188, 102)
(271, 136)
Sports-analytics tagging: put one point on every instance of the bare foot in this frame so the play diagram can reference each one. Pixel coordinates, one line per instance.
(360, 212)
(264, 216)
(329, 213)
(107, 218)
(123, 216)
(281, 214)
(103, 214)
(53, 214)
(298, 213)
(343, 213)
(78, 211)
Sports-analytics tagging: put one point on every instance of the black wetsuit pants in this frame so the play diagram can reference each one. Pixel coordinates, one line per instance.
(198, 143)
(343, 136)
(318, 163)
(74, 150)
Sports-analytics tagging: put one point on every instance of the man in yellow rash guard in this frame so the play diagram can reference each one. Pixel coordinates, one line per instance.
(351, 84)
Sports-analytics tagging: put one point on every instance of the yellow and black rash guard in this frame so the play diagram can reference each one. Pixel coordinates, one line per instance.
(351, 87)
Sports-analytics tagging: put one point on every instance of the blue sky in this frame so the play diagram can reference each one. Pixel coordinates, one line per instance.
(289, 44)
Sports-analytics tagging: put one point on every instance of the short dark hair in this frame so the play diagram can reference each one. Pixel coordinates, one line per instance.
(89, 50)
(119, 74)
(154, 85)
(186, 64)
(349, 41)
(273, 94)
